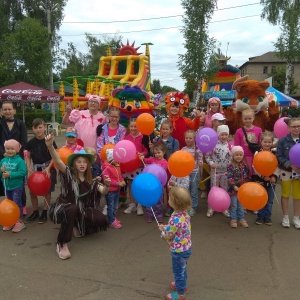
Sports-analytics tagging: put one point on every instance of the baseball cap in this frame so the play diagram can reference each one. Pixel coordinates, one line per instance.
(71, 131)
(218, 117)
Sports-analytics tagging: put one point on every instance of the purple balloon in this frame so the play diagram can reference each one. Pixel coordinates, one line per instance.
(294, 155)
(158, 171)
(206, 139)
(280, 128)
(218, 199)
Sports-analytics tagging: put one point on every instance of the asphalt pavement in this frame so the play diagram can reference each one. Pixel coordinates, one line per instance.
(261, 262)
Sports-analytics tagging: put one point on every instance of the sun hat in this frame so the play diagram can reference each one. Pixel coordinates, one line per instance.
(71, 131)
(14, 144)
(218, 116)
(236, 149)
(82, 153)
(222, 129)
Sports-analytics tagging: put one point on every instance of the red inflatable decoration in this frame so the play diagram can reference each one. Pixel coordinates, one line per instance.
(9, 212)
(39, 183)
(131, 165)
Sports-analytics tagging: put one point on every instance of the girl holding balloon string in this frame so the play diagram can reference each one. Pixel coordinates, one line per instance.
(13, 170)
(137, 139)
(268, 182)
(159, 151)
(289, 166)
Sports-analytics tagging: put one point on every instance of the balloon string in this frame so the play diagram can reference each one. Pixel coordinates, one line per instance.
(46, 202)
(154, 215)
(107, 166)
(4, 181)
(274, 194)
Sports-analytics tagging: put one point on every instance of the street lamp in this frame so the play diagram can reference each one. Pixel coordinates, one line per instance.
(47, 8)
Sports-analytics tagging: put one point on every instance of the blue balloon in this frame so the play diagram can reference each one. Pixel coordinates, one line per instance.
(146, 189)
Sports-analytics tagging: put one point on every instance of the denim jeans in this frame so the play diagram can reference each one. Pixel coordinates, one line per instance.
(112, 201)
(266, 212)
(194, 183)
(179, 264)
(16, 196)
(236, 210)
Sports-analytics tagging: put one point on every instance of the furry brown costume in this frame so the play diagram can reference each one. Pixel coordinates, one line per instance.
(252, 94)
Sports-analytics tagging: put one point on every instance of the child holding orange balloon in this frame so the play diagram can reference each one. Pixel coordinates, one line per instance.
(159, 151)
(268, 182)
(290, 173)
(39, 159)
(190, 140)
(13, 174)
(136, 138)
(238, 173)
(71, 140)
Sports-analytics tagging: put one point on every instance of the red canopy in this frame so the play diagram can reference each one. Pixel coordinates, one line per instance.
(23, 91)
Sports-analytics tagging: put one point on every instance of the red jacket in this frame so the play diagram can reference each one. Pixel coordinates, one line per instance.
(114, 173)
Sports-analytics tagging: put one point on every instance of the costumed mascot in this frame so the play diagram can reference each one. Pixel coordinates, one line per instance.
(176, 104)
(252, 94)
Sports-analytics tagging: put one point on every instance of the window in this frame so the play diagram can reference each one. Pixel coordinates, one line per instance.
(265, 70)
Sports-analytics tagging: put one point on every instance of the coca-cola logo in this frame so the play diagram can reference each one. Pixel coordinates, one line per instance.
(53, 98)
(14, 97)
(34, 98)
(28, 92)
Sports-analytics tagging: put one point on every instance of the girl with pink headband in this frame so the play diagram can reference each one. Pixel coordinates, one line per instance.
(214, 105)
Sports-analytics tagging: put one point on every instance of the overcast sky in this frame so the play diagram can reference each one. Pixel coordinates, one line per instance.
(235, 22)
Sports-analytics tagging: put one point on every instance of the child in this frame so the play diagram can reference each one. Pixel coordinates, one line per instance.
(290, 174)
(96, 170)
(159, 151)
(178, 235)
(179, 181)
(71, 140)
(238, 173)
(171, 143)
(13, 174)
(135, 137)
(218, 160)
(217, 120)
(253, 136)
(214, 106)
(268, 182)
(79, 198)
(38, 159)
(190, 140)
(112, 170)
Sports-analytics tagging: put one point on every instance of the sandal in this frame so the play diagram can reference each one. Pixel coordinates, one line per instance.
(243, 223)
(233, 224)
(175, 296)
(173, 287)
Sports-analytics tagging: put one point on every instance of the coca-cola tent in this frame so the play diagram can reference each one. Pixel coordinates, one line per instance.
(24, 93)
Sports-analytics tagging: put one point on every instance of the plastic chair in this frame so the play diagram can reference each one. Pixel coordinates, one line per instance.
(55, 127)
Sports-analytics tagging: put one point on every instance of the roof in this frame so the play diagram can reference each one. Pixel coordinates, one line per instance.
(268, 57)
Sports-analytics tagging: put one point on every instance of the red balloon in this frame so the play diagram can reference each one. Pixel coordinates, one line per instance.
(80, 142)
(39, 184)
(131, 165)
(9, 213)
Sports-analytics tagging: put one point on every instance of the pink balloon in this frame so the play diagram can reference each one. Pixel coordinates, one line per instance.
(124, 151)
(218, 199)
(280, 128)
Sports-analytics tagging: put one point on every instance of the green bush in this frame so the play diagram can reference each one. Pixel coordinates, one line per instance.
(31, 115)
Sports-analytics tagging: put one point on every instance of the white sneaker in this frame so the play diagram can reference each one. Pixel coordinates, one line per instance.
(209, 213)
(139, 210)
(286, 222)
(226, 213)
(296, 222)
(18, 227)
(130, 209)
(104, 211)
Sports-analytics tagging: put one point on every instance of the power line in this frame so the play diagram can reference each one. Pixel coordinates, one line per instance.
(155, 29)
(147, 19)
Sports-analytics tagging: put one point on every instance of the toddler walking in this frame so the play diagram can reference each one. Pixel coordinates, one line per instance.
(178, 234)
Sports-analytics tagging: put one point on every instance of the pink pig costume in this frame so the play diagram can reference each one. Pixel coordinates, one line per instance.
(86, 124)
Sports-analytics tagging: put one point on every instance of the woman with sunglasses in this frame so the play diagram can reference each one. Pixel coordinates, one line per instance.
(86, 121)
(290, 174)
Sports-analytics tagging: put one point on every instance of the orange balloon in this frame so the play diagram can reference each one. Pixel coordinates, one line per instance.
(64, 153)
(103, 151)
(181, 163)
(252, 196)
(145, 123)
(265, 163)
(9, 213)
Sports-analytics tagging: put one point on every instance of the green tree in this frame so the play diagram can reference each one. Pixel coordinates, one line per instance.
(287, 14)
(166, 89)
(199, 46)
(155, 86)
(25, 55)
(278, 76)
